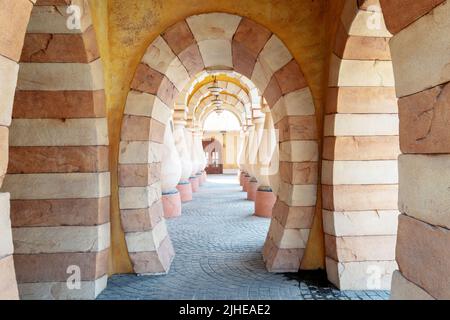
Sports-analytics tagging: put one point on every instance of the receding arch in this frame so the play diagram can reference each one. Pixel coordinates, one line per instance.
(228, 42)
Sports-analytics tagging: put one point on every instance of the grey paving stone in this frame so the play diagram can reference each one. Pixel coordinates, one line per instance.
(218, 244)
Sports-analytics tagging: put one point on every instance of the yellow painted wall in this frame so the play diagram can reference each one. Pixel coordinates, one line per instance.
(125, 28)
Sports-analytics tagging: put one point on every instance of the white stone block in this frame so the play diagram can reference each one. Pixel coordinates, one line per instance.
(61, 239)
(298, 195)
(360, 73)
(57, 186)
(403, 289)
(215, 26)
(424, 188)
(148, 240)
(359, 172)
(299, 151)
(367, 275)
(89, 290)
(140, 152)
(55, 132)
(360, 223)
(8, 81)
(361, 125)
(61, 76)
(216, 53)
(147, 105)
(6, 245)
(420, 52)
(275, 54)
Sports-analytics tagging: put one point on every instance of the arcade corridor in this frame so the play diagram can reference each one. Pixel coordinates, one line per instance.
(218, 247)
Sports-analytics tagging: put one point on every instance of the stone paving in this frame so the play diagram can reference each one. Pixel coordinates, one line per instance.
(218, 246)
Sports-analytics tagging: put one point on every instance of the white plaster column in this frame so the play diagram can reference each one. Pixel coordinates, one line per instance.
(252, 185)
(265, 199)
(189, 135)
(200, 155)
(254, 148)
(179, 134)
(170, 175)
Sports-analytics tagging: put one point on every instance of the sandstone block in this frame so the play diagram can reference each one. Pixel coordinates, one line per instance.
(8, 80)
(360, 197)
(361, 125)
(422, 255)
(59, 291)
(367, 275)
(8, 283)
(360, 248)
(424, 121)
(57, 186)
(403, 289)
(360, 223)
(415, 68)
(55, 132)
(424, 191)
(359, 172)
(61, 239)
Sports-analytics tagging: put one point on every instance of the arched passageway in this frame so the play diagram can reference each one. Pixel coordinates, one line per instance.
(216, 42)
(218, 243)
(72, 159)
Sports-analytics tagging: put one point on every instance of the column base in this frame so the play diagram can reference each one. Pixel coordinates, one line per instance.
(185, 190)
(195, 185)
(245, 182)
(171, 204)
(265, 200)
(200, 180)
(204, 176)
(252, 186)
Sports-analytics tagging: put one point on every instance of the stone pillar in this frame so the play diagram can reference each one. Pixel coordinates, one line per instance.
(58, 178)
(170, 175)
(248, 173)
(239, 156)
(193, 179)
(265, 198)
(242, 158)
(184, 186)
(253, 158)
(360, 151)
(200, 154)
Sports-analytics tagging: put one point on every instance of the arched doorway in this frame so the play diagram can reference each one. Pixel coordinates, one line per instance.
(214, 156)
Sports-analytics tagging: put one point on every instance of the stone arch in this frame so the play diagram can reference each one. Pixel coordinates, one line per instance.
(215, 145)
(229, 100)
(58, 158)
(218, 41)
(210, 109)
(361, 146)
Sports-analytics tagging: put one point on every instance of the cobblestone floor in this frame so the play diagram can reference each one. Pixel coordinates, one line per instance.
(218, 247)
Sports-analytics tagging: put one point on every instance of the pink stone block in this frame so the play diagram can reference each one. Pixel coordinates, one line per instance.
(264, 203)
(185, 190)
(172, 205)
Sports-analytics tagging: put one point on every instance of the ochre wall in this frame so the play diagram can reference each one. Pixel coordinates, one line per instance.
(125, 28)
